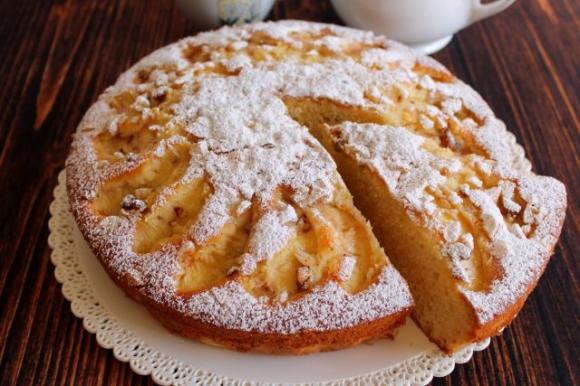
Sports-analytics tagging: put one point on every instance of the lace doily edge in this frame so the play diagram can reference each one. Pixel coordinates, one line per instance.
(164, 370)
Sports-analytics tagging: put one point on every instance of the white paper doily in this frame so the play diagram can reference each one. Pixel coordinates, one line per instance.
(135, 337)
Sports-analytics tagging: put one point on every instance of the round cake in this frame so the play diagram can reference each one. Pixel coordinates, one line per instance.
(213, 181)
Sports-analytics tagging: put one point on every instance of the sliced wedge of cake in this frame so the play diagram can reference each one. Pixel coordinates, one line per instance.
(451, 199)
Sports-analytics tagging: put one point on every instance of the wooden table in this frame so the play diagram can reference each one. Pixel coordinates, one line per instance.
(56, 56)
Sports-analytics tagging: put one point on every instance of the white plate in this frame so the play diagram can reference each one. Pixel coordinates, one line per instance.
(135, 337)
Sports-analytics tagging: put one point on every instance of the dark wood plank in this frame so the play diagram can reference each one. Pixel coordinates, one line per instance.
(58, 55)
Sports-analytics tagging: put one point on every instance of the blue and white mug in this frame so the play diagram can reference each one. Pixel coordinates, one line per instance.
(207, 14)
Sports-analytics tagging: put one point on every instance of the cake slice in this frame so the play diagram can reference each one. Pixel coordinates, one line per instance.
(453, 203)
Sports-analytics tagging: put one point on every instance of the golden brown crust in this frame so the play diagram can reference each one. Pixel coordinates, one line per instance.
(496, 325)
(306, 342)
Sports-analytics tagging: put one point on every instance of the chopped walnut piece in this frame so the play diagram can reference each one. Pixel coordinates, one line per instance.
(130, 202)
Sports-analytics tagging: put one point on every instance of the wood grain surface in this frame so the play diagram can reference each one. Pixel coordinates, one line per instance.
(56, 56)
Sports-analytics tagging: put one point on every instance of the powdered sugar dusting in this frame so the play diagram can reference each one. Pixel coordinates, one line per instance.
(243, 141)
(270, 234)
(325, 308)
(522, 259)
(411, 171)
(245, 146)
(346, 267)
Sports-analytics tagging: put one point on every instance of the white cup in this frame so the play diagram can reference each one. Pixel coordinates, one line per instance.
(426, 25)
(206, 14)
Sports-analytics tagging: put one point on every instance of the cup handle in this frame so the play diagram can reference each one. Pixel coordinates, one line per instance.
(481, 11)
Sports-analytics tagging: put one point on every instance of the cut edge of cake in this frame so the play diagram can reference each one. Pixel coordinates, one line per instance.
(450, 314)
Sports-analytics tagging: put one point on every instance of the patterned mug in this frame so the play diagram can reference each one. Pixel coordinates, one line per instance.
(213, 13)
